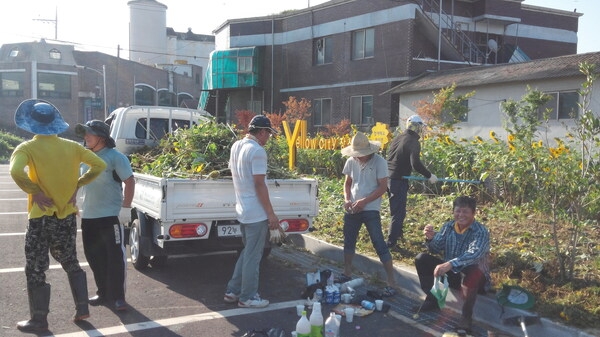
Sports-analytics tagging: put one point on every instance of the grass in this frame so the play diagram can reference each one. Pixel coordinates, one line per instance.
(522, 251)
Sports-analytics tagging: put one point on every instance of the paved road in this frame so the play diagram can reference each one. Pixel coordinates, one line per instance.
(183, 298)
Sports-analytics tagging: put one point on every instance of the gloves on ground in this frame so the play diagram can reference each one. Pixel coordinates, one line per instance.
(433, 179)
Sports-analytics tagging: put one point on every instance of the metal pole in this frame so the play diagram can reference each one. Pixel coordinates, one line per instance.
(439, 37)
(104, 82)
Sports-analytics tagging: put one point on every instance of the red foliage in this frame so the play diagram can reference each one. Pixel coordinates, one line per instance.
(243, 117)
(340, 129)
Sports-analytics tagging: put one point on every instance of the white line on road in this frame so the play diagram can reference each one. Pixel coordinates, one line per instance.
(179, 320)
(12, 213)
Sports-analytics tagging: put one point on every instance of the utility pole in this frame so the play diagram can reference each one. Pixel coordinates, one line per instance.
(55, 22)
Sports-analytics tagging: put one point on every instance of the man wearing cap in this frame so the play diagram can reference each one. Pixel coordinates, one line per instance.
(404, 156)
(248, 165)
(465, 246)
(101, 230)
(51, 182)
(366, 181)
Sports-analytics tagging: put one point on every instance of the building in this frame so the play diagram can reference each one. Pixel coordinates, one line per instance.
(341, 55)
(557, 76)
(82, 84)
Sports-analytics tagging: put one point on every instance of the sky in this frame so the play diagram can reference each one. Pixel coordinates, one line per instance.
(102, 25)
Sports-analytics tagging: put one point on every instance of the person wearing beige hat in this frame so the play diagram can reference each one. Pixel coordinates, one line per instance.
(366, 176)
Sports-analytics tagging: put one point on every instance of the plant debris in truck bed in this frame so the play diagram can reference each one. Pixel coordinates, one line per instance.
(201, 151)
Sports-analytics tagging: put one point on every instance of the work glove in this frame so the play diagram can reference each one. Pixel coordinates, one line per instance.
(433, 179)
(276, 236)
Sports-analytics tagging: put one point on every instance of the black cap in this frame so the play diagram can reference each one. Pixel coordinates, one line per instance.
(261, 122)
(98, 128)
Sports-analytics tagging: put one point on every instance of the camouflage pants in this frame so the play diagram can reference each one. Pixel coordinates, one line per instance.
(54, 235)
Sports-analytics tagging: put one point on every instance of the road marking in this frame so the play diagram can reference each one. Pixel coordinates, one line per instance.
(14, 199)
(12, 213)
(52, 266)
(120, 329)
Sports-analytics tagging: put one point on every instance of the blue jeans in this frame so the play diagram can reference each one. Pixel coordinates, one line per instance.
(244, 281)
(398, 194)
(372, 220)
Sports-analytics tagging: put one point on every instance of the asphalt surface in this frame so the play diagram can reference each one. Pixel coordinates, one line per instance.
(183, 298)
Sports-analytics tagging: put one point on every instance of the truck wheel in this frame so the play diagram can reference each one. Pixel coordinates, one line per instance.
(138, 260)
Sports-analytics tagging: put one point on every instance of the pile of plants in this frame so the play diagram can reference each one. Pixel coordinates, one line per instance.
(8, 142)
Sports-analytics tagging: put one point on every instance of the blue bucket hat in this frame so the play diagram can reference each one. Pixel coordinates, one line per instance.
(40, 117)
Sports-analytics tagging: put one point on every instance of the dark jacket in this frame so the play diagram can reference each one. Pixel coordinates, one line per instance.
(404, 155)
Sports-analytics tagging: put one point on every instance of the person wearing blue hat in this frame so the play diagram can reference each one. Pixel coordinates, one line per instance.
(47, 169)
(101, 231)
(248, 164)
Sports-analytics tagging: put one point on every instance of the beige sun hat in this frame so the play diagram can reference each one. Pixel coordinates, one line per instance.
(361, 146)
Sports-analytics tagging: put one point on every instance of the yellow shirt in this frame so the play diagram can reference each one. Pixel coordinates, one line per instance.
(53, 168)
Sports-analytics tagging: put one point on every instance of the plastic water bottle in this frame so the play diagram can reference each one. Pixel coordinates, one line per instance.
(316, 321)
(303, 326)
(332, 326)
(352, 284)
(367, 305)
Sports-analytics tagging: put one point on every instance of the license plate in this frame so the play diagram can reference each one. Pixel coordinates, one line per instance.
(228, 230)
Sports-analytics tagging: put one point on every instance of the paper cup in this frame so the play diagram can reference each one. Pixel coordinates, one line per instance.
(299, 309)
(379, 305)
(349, 312)
(346, 298)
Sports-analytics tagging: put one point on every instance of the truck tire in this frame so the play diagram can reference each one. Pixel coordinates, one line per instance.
(159, 261)
(138, 260)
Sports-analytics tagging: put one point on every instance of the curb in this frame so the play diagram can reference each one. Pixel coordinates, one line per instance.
(487, 311)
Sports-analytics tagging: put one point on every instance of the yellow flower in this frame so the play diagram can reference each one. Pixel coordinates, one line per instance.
(479, 139)
(493, 136)
(511, 146)
(511, 137)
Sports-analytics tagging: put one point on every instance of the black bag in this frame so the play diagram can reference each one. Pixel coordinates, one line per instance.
(273, 332)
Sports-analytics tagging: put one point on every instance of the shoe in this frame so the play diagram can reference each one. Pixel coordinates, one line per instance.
(428, 305)
(120, 305)
(96, 301)
(388, 292)
(230, 297)
(254, 302)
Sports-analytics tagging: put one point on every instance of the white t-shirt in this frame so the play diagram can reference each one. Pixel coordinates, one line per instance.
(364, 179)
(247, 159)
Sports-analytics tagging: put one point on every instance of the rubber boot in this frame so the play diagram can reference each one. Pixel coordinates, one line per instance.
(78, 283)
(466, 320)
(39, 302)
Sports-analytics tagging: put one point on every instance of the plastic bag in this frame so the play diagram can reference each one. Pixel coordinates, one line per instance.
(440, 290)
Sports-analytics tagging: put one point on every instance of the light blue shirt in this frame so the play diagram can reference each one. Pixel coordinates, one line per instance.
(365, 179)
(104, 196)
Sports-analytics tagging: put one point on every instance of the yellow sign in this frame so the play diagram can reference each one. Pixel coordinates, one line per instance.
(381, 133)
(299, 139)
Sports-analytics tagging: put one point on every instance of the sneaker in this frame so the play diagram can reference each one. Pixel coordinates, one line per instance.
(254, 302)
(230, 297)
(120, 305)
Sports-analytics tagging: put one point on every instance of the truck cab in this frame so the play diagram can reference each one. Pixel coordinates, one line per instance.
(137, 127)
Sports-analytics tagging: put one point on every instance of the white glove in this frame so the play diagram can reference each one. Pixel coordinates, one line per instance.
(277, 236)
(433, 179)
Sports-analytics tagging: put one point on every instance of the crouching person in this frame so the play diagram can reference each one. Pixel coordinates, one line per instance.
(465, 245)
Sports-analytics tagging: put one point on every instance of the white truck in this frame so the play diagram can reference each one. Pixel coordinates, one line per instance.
(136, 127)
(175, 216)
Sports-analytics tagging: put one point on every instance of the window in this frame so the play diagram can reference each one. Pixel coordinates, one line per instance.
(321, 111)
(144, 95)
(563, 105)
(363, 43)
(52, 85)
(54, 54)
(245, 64)
(11, 84)
(14, 52)
(323, 50)
(361, 110)
(159, 127)
(166, 98)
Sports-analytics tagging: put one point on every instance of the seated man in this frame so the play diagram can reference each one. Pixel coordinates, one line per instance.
(465, 246)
